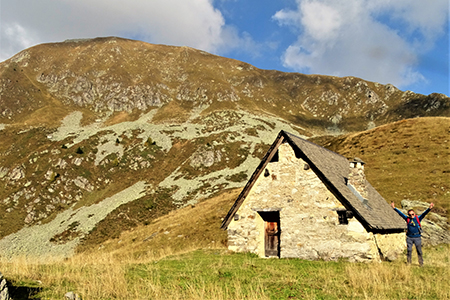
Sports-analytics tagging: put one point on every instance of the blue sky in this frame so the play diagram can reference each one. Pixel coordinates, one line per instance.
(402, 42)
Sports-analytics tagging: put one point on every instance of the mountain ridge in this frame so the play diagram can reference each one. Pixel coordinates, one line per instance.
(113, 74)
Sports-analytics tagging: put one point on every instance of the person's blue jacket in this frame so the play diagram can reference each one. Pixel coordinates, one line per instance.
(413, 228)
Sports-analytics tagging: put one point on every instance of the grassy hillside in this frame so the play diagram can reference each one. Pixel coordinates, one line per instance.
(193, 227)
(409, 159)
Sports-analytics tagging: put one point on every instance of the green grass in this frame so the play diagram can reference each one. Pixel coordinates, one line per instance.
(219, 274)
(276, 279)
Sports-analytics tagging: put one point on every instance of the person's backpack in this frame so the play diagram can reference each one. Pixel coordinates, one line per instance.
(418, 222)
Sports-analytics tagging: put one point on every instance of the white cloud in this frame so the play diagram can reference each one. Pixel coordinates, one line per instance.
(430, 18)
(13, 37)
(194, 23)
(321, 22)
(21, 36)
(374, 40)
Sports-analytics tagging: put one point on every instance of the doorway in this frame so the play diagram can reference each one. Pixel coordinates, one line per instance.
(271, 233)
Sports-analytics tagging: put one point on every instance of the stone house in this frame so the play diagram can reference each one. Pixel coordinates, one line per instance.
(308, 202)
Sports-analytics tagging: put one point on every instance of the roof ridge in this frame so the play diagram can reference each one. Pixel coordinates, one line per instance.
(288, 134)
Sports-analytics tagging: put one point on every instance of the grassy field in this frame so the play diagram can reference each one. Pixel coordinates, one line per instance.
(219, 274)
(183, 256)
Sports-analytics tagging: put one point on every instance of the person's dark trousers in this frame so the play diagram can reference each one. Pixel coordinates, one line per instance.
(410, 241)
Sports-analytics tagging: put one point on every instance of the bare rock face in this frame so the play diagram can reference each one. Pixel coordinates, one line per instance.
(17, 174)
(391, 246)
(72, 296)
(83, 91)
(83, 183)
(4, 293)
(3, 172)
(205, 158)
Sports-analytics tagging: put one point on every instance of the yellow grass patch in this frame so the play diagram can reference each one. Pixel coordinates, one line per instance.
(192, 227)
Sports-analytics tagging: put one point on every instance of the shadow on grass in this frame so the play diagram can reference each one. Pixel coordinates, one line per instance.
(23, 292)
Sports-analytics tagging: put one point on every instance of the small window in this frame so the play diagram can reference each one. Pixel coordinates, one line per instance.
(344, 215)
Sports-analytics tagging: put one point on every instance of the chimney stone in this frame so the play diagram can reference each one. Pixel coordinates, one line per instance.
(357, 178)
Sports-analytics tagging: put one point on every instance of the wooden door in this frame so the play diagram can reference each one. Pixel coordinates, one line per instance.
(272, 238)
(271, 232)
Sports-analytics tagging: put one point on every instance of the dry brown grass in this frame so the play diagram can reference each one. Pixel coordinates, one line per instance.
(122, 116)
(409, 159)
(219, 274)
(106, 276)
(168, 265)
(192, 227)
(50, 116)
(174, 112)
(381, 281)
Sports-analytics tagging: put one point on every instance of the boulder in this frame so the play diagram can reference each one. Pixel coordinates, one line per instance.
(4, 294)
(72, 296)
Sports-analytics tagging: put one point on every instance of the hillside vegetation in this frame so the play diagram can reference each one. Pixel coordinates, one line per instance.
(101, 136)
(193, 227)
(217, 274)
(386, 151)
(409, 159)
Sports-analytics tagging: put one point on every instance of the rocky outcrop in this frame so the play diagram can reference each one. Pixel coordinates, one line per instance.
(114, 75)
(205, 158)
(58, 238)
(4, 293)
(83, 91)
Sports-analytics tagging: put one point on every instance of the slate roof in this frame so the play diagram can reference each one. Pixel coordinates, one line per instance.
(375, 214)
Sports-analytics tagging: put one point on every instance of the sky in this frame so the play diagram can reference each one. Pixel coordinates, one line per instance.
(401, 42)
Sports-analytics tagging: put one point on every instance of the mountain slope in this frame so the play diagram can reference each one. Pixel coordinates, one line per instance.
(86, 122)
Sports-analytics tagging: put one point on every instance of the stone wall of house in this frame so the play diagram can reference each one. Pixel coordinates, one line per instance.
(309, 220)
